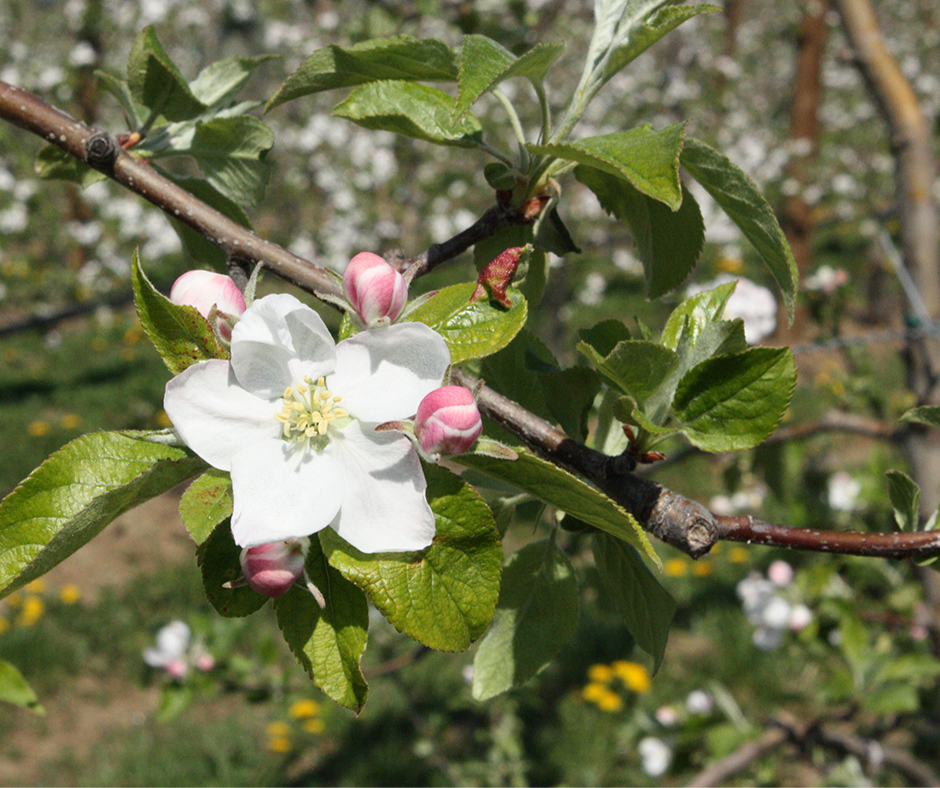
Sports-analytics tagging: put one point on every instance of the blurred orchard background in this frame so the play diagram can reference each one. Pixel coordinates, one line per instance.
(781, 668)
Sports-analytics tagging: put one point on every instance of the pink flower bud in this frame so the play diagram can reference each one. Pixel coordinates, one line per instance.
(448, 421)
(272, 568)
(205, 289)
(374, 289)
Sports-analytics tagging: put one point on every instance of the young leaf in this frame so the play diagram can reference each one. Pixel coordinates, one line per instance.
(232, 152)
(218, 559)
(484, 64)
(561, 489)
(119, 89)
(396, 58)
(219, 81)
(734, 401)
(179, 333)
(604, 336)
(206, 503)
(635, 367)
(14, 689)
(925, 414)
(156, 83)
(690, 318)
(412, 110)
(668, 242)
(328, 643)
(535, 617)
(53, 163)
(904, 494)
(569, 394)
(75, 493)
(740, 198)
(442, 597)
(472, 330)
(648, 159)
(647, 608)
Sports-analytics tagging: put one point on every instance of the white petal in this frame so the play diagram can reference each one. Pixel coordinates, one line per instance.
(281, 492)
(214, 415)
(384, 509)
(384, 373)
(276, 342)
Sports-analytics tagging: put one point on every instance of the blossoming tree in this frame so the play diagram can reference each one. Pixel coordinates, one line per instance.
(327, 473)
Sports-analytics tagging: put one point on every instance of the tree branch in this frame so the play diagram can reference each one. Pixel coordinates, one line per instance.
(679, 521)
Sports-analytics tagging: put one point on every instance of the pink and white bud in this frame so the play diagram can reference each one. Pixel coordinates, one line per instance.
(374, 289)
(205, 289)
(448, 421)
(271, 569)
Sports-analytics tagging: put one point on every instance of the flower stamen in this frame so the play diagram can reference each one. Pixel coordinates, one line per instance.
(308, 411)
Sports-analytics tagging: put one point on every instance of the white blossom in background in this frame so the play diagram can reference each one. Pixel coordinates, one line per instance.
(655, 756)
(740, 501)
(769, 604)
(751, 302)
(699, 702)
(843, 492)
(292, 417)
(176, 652)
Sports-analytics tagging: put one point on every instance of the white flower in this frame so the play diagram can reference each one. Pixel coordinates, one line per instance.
(699, 702)
(656, 756)
(292, 418)
(843, 492)
(175, 652)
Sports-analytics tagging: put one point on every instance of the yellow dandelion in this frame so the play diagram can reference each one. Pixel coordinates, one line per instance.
(33, 608)
(609, 701)
(676, 567)
(37, 586)
(163, 420)
(738, 555)
(733, 265)
(600, 673)
(70, 593)
(39, 428)
(70, 421)
(279, 744)
(278, 729)
(634, 676)
(702, 568)
(301, 709)
(313, 725)
(4, 624)
(591, 692)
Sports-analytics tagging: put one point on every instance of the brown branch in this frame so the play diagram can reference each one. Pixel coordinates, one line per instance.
(671, 517)
(720, 772)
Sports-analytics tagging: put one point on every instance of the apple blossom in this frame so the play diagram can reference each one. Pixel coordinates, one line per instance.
(175, 651)
(271, 569)
(292, 417)
(205, 290)
(448, 421)
(374, 289)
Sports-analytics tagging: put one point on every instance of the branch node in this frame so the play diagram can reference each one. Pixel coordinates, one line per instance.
(683, 523)
(101, 151)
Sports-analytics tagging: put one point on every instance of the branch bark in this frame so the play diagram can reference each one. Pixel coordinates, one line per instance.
(671, 517)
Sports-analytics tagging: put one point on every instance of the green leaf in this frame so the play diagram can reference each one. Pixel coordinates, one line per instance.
(690, 318)
(733, 402)
(561, 489)
(535, 617)
(199, 250)
(635, 367)
(653, 28)
(14, 689)
(668, 242)
(396, 58)
(604, 336)
(904, 494)
(412, 110)
(206, 503)
(648, 159)
(474, 330)
(232, 153)
(569, 394)
(647, 608)
(53, 163)
(219, 561)
(219, 81)
(444, 596)
(75, 493)
(740, 198)
(926, 414)
(119, 89)
(484, 64)
(156, 83)
(328, 643)
(180, 334)
(516, 372)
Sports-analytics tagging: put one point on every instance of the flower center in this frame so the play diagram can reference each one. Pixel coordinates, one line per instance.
(308, 411)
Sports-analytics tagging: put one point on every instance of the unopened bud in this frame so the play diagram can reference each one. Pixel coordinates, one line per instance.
(375, 290)
(448, 421)
(204, 290)
(271, 569)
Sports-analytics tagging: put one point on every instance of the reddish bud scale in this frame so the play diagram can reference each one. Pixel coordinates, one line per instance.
(496, 276)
